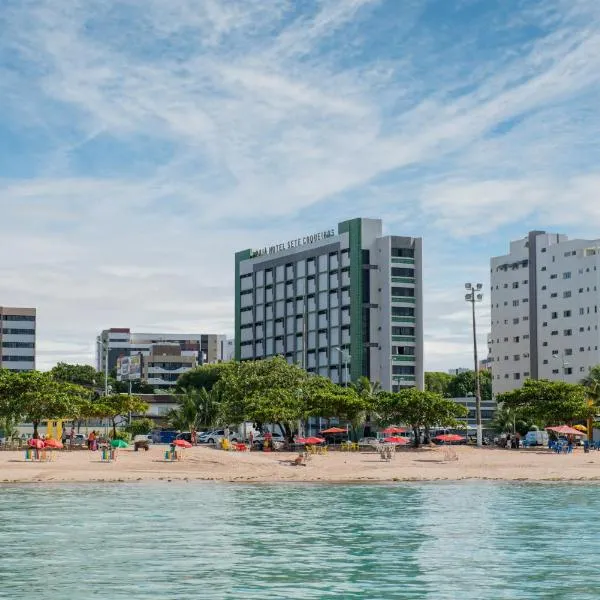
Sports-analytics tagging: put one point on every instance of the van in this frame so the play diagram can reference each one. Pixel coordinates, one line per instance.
(536, 438)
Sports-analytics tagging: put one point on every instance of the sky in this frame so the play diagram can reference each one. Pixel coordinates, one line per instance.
(143, 142)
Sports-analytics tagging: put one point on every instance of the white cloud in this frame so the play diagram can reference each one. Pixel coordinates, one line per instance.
(262, 116)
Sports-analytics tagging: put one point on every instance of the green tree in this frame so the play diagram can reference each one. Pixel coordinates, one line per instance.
(203, 377)
(119, 405)
(549, 402)
(419, 409)
(463, 385)
(438, 382)
(140, 427)
(84, 375)
(367, 391)
(592, 384)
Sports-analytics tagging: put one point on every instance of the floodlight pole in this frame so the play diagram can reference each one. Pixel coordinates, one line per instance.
(474, 296)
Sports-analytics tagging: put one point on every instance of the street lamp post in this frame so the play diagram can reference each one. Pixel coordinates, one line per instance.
(564, 364)
(346, 358)
(474, 295)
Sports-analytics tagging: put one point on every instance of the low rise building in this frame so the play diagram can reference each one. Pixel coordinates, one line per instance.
(17, 338)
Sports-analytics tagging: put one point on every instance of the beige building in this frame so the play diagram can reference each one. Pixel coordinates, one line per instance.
(17, 338)
(165, 363)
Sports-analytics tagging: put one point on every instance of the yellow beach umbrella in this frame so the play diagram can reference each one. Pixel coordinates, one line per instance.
(581, 428)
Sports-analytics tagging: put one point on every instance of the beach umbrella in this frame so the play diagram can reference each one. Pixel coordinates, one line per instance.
(449, 437)
(35, 443)
(393, 429)
(581, 428)
(310, 441)
(119, 444)
(53, 444)
(396, 440)
(565, 430)
(182, 444)
(334, 430)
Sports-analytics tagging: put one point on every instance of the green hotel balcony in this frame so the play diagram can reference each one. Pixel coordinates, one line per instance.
(403, 279)
(405, 299)
(404, 261)
(404, 320)
(402, 358)
(403, 338)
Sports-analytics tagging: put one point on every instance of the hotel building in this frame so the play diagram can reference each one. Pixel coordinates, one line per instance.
(545, 315)
(17, 338)
(342, 303)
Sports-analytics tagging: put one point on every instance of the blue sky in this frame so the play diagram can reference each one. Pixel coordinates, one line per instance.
(143, 142)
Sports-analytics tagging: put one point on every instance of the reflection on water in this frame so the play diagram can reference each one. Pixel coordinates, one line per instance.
(442, 541)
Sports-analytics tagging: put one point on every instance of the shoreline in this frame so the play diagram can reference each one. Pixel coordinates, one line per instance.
(438, 464)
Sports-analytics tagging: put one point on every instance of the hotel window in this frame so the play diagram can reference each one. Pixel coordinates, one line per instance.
(403, 252)
(334, 318)
(403, 292)
(568, 351)
(334, 281)
(323, 263)
(322, 339)
(310, 265)
(312, 339)
(289, 272)
(323, 281)
(269, 294)
(515, 303)
(301, 268)
(311, 304)
(311, 285)
(280, 309)
(301, 287)
(246, 299)
(567, 294)
(345, 297)
(246, 317)
(312, 321)
(268, 311)
(567, 275)
(312, 361)
(345, 335)
(334, 336)
(568, 332)
(517, 375)
(269, 328)
(279, 346)
(323, 300)
(554, 333)
(260, 295)
(345, 278)
(259, 331)
(299, 307)
(290, 324)
(259, 350)
(279, 273)
(245, 282)
(280, 291)
(554, 315)
(516, 321)
(566, 313)
(333, 261)
(345, 258)
(289, 290)
(322, 319)
(269, 347)
(279, 327)
(333, 299)
(269, 277)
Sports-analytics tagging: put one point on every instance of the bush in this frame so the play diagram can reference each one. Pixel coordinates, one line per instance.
(121, 435)
(140, 427)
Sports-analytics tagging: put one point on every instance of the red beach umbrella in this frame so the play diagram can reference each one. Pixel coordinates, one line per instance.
(310, 441)
(53, 444)
(565, 430)
(393, 429)
(334, 430)
(35, 443)
(396, 440)
(182, 444)
(449, 437)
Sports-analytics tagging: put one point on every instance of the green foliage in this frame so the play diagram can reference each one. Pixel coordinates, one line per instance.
(84, 375)
(196, 409)
(509, 420)
(419, 409)
(121, 434)
(118, 405)
(549, 402)
(203, 377)
(463, 385)
(140, 427)
(438, 382)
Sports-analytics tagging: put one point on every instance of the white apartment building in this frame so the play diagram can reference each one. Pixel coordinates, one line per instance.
(544, 313)
(343, 303)
(118, 342)
(17, 338)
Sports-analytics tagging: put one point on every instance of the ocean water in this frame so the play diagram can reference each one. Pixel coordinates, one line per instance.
(177, 541)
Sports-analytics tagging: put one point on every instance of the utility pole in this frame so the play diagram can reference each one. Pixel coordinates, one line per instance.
(106, 344)
(474, 295)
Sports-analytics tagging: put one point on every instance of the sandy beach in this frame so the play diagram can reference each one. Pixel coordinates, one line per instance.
(208, 464)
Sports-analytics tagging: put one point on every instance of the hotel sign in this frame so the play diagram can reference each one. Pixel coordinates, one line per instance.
(297, 243)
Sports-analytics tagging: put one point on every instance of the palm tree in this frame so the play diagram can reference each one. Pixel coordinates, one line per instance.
(592, 382)
(368, 391)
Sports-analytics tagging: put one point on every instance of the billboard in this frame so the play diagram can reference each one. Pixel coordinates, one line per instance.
(129, 368)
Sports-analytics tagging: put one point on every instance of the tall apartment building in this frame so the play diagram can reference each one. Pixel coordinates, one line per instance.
(17, 338)
(343, 304)
(204, 348)
(545, 315)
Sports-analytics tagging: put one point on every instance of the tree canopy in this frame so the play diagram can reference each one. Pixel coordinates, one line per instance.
(419, 410)
(549, 402)
(204, 376)
(438, 382)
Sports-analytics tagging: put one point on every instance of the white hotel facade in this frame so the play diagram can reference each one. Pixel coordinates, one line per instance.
(545, 310)
(342, 303)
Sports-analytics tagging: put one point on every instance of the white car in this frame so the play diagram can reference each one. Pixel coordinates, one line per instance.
(277, 438)
(215, 437)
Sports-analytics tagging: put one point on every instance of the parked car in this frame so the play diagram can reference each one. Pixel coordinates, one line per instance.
(79, 439)
(215, 436)
(536, 438)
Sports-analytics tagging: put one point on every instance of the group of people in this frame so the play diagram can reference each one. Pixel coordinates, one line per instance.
(511, 441)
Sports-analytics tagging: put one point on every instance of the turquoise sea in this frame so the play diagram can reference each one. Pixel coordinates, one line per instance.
(177, 541)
